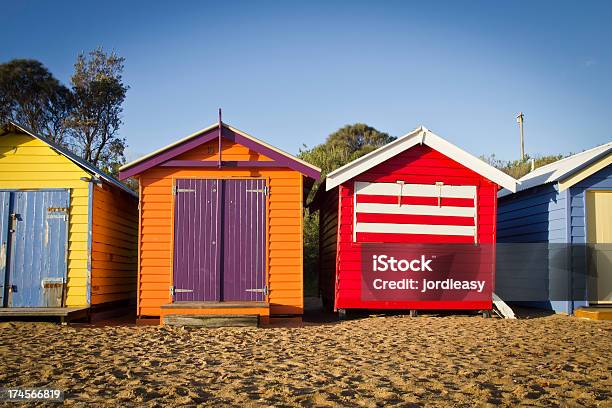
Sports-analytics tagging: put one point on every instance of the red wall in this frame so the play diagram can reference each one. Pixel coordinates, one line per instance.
(419, 165)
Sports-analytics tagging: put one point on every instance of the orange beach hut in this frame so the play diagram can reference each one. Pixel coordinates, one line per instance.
(220, 229)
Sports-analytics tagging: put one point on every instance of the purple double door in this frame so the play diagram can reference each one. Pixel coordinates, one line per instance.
(219, 240)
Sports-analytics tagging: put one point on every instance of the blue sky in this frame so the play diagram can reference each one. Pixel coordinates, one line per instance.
(292, 72)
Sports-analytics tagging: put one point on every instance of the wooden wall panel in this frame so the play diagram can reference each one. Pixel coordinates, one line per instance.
(114, 245)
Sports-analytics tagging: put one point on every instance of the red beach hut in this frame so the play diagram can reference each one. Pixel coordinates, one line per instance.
(418, 189)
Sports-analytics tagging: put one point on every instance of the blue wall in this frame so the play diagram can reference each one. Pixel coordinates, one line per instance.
(535, 215)
(532, 274)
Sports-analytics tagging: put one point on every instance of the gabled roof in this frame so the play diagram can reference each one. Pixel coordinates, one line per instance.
(562, 169)
(211, 133)
(420, 135)
(90, 168)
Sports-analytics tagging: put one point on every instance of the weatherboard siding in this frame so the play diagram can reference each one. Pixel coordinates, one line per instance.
(28, 163)
(284, 273)
(535, 215)
(328, 244)
(114, 245)
(526, 272)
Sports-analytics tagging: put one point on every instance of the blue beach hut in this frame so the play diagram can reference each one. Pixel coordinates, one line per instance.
(555, 234)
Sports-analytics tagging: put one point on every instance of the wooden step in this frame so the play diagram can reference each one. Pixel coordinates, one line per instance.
(216, 305)
(594, 313)
(211, 321)
(64, 313)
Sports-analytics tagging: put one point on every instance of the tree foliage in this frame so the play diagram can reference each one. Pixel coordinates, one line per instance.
(85, 117)
(341, 147)
(519, 168)
(99, 93)
(30, 95)
(345, 145)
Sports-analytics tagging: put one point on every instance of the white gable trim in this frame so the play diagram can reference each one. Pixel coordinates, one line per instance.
(85, 165)
(562, 170)
(421, 135)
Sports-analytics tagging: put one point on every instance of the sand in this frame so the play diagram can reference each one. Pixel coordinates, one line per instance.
(371, 361)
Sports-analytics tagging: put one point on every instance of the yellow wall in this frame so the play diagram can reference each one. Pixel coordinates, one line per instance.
(28, 163)
(599, 228)
(114, 245)
(599, 216)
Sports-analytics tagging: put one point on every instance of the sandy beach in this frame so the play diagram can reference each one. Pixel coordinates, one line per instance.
(370, 361)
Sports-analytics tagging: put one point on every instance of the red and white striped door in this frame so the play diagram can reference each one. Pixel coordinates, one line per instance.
(402, 212)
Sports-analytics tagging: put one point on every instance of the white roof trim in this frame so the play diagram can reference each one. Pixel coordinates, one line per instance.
(206, 129)
(561, 169)
(420, 135)
(85, 165)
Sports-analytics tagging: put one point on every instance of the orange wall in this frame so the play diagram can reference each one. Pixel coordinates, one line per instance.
(284, 222)
(114, 244)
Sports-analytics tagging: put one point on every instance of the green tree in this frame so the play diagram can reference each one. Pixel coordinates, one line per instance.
(345, 145)
(99, 93)
(341, 147)
(31, 96)
(519, 168)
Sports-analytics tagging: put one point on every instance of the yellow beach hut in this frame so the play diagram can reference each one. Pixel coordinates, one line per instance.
(68, 231)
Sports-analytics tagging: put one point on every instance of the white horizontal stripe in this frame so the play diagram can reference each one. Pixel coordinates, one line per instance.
(416, 229)
(415, 209)
(415, 190)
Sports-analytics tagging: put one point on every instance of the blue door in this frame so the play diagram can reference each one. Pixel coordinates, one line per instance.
(38, 242)
(5, 203)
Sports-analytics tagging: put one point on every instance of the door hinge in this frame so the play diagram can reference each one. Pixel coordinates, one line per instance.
(263, 290)
(264, 190)
(174, 290)
(176, 190)
(57, 212)
(47, 282)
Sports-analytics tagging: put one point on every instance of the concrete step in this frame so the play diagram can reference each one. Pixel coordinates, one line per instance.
(211, 321)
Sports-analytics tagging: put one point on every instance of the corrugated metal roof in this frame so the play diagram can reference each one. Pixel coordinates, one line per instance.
(561, 169)
(74, 158)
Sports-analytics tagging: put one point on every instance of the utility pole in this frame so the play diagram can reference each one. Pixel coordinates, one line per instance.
(520, 118)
